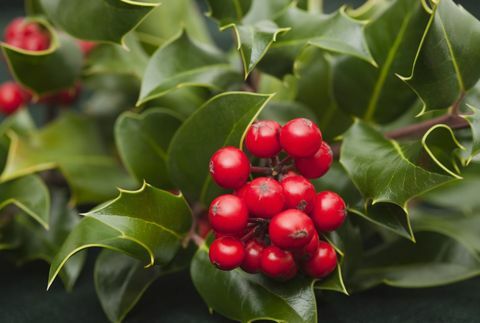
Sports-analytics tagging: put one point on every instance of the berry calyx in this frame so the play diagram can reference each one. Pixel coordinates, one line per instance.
(300, 138)
(329, 211)
(226, 253)
(317, 165)
(264, 197)
(323, 261)
(291, 229)
(228, 214)
(229, 167)
(253, 256)
(262, 139)
(12, 97)
(299, 193)
(278, 263)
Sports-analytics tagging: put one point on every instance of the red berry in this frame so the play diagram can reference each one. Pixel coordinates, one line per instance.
(288, 174)
(264, 197)
(241, 191)
(36, 42)
(317, 165)
(18, 28)
(262, 139)
(86, 46)
(300, 138)
(323, 261)
(310, 249)
(12, 97)
(329, 211)
(228, 214)
(229, 167)
(69, 96)
(227, 253)
(291, 229)
(253, 256)
(237, 235)
(299, 193)
(278, 263)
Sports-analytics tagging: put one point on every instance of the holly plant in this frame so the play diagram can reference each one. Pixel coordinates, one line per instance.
(274, 151)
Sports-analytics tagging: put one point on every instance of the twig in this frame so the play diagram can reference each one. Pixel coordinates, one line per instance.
(261, 170)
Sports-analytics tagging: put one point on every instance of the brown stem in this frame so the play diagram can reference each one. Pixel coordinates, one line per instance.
(261, 170)
(197, 210)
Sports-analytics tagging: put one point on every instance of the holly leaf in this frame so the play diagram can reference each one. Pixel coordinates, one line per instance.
(153, 235)
(446, 62)
(386, 179)
(473, 120)
(244, 297)
(50, 70)
(228, 12)
(38, 243)
(91, 173)
(201, 135)
(113, 18)
(183, 63)
(30, 195)
(121, 281)
(143, 140)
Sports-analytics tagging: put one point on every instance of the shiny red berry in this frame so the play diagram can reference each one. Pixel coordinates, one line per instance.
(253, 256)
(228, 214)
(262, 139)
(300, 138)
(12, 97)
(317, 165)
(227, 253)
(278, 263)
(323, 261)
(264, 197)
(241, 191)
(299, 193)
(309, 250)
(291, 229)
(20, 28)
(86, 46)
(329, 211)
(36, 42)
(229, 167)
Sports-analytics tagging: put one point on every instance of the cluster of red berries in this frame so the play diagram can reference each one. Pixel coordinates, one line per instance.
(27, 35)
(271, 224)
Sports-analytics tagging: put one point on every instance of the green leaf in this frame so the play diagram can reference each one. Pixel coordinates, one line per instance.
(121, 281)
(229, 11)
(334, 282)
(143, 141)
(335, 33)
(98, 20)
(446, 63)
(433, 260)
(386, 178)
(49, 70)
(38, 243)
(244, 297)
(30, 194)
(182, 63)
(92, 174)
(148, 224)
(473, 120)
(202, 134)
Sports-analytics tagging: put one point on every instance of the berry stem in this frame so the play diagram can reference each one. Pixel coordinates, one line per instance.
(261, 170)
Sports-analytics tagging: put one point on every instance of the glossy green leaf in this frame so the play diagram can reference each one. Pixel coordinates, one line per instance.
(120, 280)
(30, 194)
(446, 63)
(46, 71)
(244, 297)
(38, 243)
(473, 119)
(222, 121)
(182, 63)
(334, 282)
(148, 224)
(143, 140)
(99, 20)
(386, 178)
(229, 11)
(92, 174)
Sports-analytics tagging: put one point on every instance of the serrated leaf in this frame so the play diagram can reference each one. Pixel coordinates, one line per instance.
(38, 243)
(385, 177)
(143, 140)
(92, 174)
(229, 11)
(29, 194)
(334, 282)
(121, 281)
(446, 63)
(49, 70)
(183, 63)
(148, 224)
(202, 134)
(245, 297)
(113, 18)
